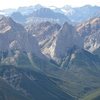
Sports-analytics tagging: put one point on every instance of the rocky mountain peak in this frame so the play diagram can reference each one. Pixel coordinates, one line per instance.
(61, 42)
(4, 24)
(7, 24)
(66, 39)
(13, 36)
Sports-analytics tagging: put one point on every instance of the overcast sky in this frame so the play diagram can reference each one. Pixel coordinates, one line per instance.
(4, 4)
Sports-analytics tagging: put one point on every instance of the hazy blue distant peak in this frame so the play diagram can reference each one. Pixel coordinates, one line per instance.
(38, 6)
(67, 7)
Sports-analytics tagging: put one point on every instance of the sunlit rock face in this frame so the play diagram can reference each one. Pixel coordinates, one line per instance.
(90, 32)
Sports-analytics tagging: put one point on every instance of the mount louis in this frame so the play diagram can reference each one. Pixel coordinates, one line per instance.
(50, 53)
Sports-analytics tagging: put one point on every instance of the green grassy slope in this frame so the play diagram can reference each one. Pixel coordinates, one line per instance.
(9, 93)
(95, 95)
(34, 85)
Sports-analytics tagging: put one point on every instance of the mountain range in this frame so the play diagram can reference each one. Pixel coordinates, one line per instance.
(50, 53)
(79, 14)
(60, 15)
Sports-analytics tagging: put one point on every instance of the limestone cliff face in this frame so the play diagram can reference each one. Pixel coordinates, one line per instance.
(61, 42)
(66, 39)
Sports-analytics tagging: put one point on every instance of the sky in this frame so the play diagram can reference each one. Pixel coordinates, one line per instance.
(5, 4)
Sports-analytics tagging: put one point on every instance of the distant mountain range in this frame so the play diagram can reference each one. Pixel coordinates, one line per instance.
(60, 15)
(79, 14)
